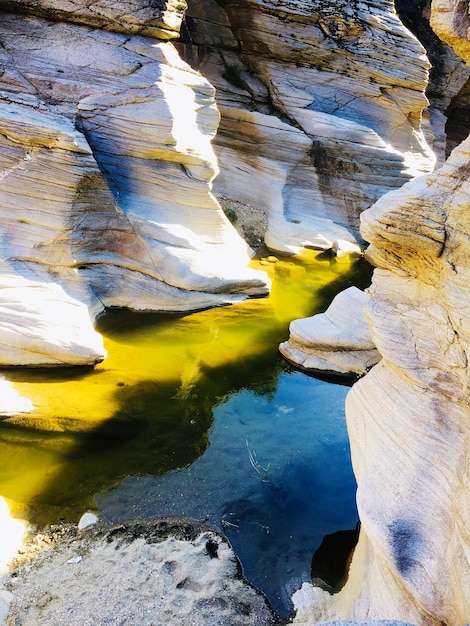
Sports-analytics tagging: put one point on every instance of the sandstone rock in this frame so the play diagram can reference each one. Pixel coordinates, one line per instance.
(408, 418)
(107, 173)
(335, 342)
(345, 249)
(457, 113)
(13, 533)
(451, 21)
(276, 157)
(448, 76)
(41, 325)
(349, 112)
(152, 18)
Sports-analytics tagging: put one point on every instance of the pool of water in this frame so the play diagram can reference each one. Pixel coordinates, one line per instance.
(197, 415)
(275, 478)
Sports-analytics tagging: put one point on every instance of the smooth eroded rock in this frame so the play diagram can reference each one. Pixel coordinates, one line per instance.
(107, 174)
(337, 341)
(408, 418)
(42, 326)
(152, 18)
(344, 85)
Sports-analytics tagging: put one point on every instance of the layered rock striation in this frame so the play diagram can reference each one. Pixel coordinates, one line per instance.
(107, 170)
(96, 100)
(151, 18)
(448, 80)
(321, 109)
(409, 417)
(337, 341)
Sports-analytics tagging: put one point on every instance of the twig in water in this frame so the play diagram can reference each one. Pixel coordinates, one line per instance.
(225, 523)
(259, 469)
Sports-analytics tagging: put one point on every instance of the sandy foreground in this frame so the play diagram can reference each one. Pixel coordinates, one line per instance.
(161, 573)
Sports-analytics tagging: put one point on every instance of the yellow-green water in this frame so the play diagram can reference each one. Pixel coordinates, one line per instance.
(147, 408)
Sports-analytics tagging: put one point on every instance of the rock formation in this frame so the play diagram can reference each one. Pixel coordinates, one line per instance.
(321, 109)
(107, 169)
(447, 90)
(409, 417)
(96, 100)
(335, 342)
(151, 18)
(106, 152)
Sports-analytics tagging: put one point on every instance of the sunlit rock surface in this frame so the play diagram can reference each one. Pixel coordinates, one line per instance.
(335, 342)
(107, 166)
(153, 18)
(41, 325)
(321, 114)
(447, 78)
(409, 418)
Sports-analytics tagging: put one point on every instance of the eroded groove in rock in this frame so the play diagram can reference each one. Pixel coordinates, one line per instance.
(447, 76)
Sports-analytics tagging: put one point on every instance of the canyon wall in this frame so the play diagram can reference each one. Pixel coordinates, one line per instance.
(109, 174)
(321, 109)
(409, 417)
(448, 80)
(108, 187)
(107, 169)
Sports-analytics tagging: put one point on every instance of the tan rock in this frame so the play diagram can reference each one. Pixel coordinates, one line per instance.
(351, 112)
(275, 164)
(107, 170)
(451, 21)
(152, 18)
(447, 77)
(408, 418)
(337, 341)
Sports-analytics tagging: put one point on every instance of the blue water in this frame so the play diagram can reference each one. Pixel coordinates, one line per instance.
(275, 478)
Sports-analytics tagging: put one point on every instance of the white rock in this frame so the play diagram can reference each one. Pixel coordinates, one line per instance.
(409, 417)
(274, 169)
(337, 341)
(74, 560)
(41, 325)
(342, 248)
(107, 170)
(12, 532)
(153, 18)
(350, 84)
(87, 519)
(11, 402)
